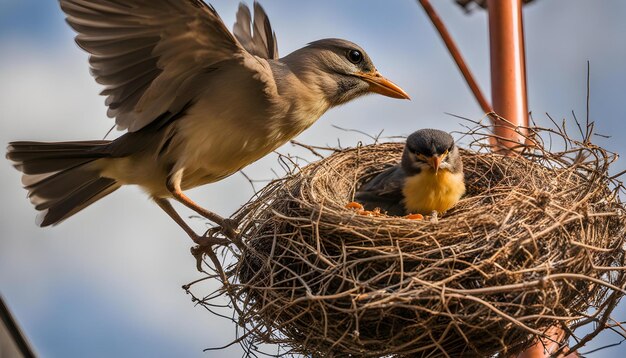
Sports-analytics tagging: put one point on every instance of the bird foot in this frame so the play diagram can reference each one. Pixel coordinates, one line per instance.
(205, 243)
(198, 253)
(228, 228)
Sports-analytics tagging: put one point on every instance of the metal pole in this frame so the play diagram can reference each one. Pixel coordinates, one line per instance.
(508, 70)
(509, 99)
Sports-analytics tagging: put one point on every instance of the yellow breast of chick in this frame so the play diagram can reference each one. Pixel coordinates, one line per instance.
(428, 191)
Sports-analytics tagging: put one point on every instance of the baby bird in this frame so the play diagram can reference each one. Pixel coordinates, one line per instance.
(429, 178)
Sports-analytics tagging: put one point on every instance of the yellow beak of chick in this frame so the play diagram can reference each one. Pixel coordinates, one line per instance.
(435, 161)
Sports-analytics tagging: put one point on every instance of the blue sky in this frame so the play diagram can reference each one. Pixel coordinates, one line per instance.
(107, 282)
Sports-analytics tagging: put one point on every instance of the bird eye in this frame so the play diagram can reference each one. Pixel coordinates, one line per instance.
(355, 56)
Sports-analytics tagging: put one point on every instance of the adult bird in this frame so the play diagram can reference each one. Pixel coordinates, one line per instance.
(428, 178)
(198, 103)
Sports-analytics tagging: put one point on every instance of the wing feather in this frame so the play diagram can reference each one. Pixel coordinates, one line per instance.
(384, 192)
(260, 42)
(143, 51)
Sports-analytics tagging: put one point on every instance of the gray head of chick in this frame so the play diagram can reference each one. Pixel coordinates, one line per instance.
(430, 149)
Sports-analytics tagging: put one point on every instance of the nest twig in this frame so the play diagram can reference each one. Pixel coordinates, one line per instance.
(537, 242)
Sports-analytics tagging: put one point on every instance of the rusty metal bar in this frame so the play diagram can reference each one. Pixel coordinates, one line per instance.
(508, 70)
(509, 98)
(456, 55)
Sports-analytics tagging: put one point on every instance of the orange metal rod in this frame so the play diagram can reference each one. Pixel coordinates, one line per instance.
(508, 69)
(456, 55)
(509, 98)
(508, 93)
(547, 347)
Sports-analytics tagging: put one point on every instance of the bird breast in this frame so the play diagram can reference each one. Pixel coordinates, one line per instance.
(235, 123)
(427, 191)
(238, 117)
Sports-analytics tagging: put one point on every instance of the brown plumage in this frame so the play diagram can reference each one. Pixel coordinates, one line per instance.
(198, 103)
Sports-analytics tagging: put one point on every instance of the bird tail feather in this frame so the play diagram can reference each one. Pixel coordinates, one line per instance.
(61, 178)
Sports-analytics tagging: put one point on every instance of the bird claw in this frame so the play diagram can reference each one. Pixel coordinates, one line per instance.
(205, 243)
(198, 252)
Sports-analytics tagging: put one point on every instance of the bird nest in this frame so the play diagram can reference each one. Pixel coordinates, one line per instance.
(536, 243)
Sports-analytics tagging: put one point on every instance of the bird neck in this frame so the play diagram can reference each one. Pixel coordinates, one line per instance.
(310, 74)
(300, 99)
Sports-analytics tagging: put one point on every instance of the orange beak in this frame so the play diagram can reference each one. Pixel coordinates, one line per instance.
(381, 85)
(435, 162)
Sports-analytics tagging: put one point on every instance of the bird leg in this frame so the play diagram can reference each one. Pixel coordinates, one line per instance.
(198, 239)
(204, 242)
(228, 226)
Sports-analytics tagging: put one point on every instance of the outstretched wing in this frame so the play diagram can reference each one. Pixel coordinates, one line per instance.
(262, 40)
(145, 51)
(384, 192)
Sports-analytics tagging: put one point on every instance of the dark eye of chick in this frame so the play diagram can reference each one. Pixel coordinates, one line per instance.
(421, 158)
(355, 56)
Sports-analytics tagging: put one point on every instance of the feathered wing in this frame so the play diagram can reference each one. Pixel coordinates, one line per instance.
(384, 192)
(259, 40)
(145, 51)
